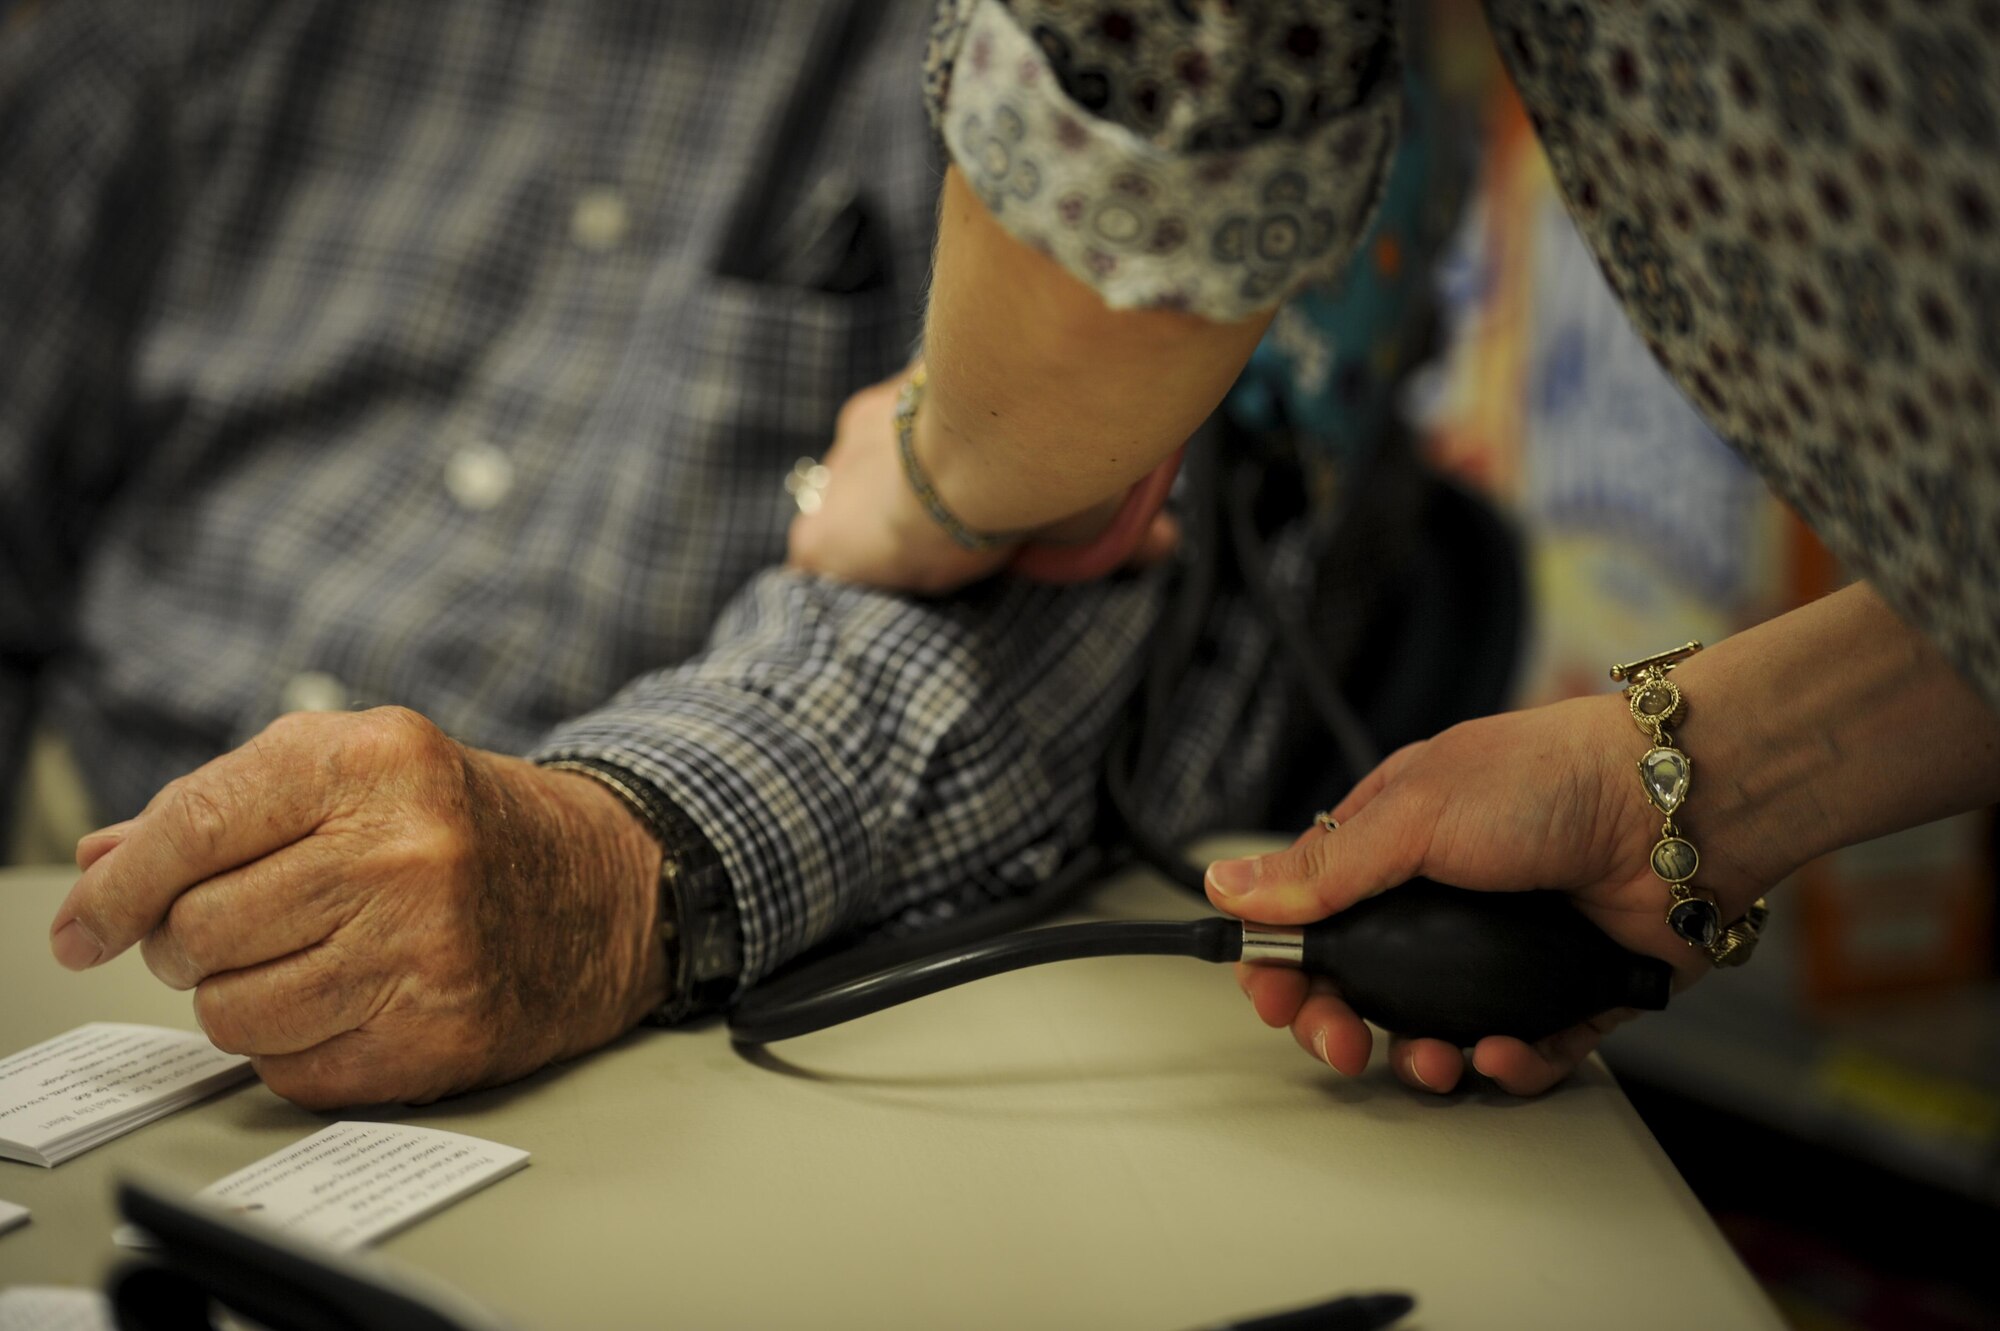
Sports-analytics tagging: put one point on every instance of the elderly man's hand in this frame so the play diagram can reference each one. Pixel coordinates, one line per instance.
(375, 913)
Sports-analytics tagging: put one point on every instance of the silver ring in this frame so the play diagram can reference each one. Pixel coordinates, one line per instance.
(1326, 821)
(806, 483)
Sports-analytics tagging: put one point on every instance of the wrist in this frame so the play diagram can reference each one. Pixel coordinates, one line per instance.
(1710, 818)
(952, 462)
(614, 864)
(1752, 803)
(1738, 861)
(995, 485)
(1068, 546)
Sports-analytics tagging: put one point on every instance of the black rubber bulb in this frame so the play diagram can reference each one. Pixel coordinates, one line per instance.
(1430, 960)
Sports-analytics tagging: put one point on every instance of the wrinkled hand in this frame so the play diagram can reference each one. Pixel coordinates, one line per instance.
(870, 527)
(1544, 798)
(373, 912)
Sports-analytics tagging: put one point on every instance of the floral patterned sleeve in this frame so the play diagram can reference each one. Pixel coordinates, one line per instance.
(1173, 154)
(1798, 202)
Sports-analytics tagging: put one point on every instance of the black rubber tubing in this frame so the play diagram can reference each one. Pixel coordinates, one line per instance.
(1423, 960)
(783, 1012)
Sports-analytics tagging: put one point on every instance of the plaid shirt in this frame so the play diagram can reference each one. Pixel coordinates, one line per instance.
(452, 355)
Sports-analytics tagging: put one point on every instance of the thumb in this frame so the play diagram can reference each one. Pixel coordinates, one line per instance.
(1379, 848)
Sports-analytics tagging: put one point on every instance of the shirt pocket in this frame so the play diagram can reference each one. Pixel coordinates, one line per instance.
(832, 239)
(775, 361)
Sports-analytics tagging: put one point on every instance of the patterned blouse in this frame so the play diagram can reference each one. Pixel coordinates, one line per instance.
(1797, 201)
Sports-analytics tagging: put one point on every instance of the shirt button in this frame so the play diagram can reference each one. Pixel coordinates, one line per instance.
(600, 220)
(479, 477)
(313, 691)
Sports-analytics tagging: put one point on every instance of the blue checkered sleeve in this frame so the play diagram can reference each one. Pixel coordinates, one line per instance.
(859, 760)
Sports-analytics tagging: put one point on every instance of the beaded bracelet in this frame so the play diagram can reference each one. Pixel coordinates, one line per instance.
(906, 419)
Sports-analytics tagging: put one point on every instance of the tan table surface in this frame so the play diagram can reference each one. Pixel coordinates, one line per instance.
(1098, 1144)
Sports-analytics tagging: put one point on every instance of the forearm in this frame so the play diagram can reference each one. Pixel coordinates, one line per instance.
(854, 758)
(1122, 217)
(1826, 727)
(1044, 401)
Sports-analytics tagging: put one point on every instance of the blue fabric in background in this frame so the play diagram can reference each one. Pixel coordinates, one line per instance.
(1329, 368)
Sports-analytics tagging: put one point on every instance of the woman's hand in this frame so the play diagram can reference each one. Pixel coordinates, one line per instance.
(1544, 798)
(869, 527)
(1825, 726)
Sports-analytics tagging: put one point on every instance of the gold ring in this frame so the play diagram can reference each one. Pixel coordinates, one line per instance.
(1326, 821)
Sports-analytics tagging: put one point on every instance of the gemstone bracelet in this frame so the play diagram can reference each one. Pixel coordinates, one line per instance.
(1664, 772)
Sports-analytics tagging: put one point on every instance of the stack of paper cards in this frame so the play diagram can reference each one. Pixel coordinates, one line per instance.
(12, 1216)
(353, 1183)
(80, 1090)
(51, 1308)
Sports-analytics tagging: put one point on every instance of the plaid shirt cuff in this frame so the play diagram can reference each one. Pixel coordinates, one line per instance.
(726, 784)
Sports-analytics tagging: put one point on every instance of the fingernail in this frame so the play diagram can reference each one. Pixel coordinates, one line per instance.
(74, 946)
(1232, 878)
(1319, 1047)
(1420, 1076)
